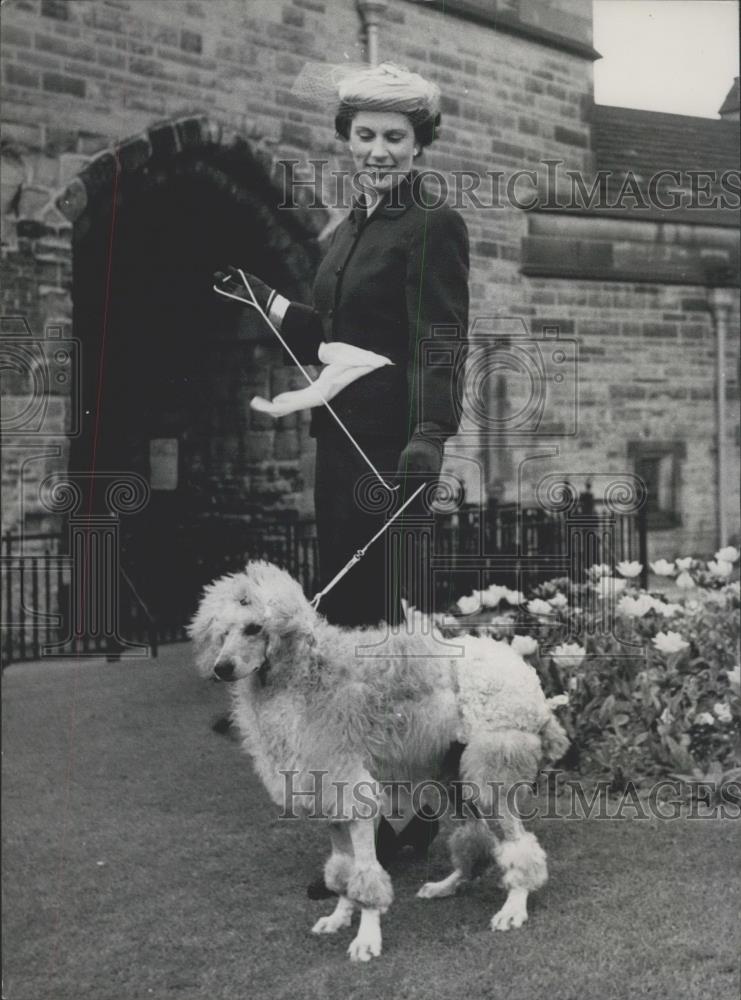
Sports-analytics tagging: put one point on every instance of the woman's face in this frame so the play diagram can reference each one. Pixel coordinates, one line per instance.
(382, 145)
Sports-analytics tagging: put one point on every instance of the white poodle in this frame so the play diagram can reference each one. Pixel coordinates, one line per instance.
(329, 715)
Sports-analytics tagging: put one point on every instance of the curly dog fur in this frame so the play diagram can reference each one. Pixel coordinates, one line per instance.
(361, 707)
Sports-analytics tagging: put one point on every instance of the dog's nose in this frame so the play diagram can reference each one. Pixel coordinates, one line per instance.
(225, 670)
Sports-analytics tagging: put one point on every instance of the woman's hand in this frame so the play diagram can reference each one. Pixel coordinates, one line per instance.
(258, 295)
(231, 281)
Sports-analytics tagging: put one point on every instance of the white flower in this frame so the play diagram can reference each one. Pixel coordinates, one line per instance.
(599, 569)
(663, 568)
(666, 716)
(569, 654)
(558, 601)
(669, 642)
(669, 610)
(525, 645)
(513, 596)
(573, 683)
(538, 607)
(491, 597)
(728, 554)
(684, 564)
(557, 700)
(704, 719)
(720, 568)
(610, 585)
(734, 677)
(722, 712)
(629, 569)
(636, 607)
(685, 581)
(470, 604)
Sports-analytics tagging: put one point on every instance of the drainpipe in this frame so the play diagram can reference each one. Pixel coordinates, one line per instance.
(720, 301)
(370, 13)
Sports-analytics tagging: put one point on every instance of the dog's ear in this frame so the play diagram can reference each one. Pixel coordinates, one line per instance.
(198, 627)
(290, 640)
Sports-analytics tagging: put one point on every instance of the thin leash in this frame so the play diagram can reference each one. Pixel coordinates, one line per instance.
(361, 552)
(253, 302)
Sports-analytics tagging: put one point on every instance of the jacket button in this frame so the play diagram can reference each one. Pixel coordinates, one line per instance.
(338, 270)
(330, 313)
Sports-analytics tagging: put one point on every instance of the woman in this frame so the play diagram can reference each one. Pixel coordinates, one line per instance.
(395, 270)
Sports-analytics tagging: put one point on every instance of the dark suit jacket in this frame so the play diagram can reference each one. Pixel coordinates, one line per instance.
(385, 284)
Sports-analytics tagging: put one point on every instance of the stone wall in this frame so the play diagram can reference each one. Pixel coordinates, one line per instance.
(646, 373)
(81, 75)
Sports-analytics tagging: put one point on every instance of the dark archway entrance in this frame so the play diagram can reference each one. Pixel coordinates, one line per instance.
(169, 368)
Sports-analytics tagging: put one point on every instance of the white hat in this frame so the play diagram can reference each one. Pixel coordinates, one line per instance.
(389, 88)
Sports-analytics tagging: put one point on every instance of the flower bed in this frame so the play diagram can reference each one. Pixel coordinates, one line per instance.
(646, 687)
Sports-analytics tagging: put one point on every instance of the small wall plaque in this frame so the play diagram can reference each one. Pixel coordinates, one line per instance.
(163, 463)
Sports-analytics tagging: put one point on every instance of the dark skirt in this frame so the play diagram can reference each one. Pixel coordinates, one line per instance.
(351, 506)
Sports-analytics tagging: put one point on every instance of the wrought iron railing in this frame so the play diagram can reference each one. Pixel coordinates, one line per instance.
(470, 548)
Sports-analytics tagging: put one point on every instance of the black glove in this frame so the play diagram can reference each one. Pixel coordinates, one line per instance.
(423, 456)
(231, 281)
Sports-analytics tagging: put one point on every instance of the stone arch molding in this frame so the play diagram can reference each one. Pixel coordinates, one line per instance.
(292, 235)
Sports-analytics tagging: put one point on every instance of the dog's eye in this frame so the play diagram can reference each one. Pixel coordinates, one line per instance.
(251, 629)
(243, 601)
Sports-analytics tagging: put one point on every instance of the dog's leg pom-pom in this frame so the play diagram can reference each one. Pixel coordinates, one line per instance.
(370, 886)
(337, 871)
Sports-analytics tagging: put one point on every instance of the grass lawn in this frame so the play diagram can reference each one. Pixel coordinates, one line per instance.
(142, 859)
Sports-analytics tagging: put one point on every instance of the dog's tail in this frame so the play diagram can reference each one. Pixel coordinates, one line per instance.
(553, 740)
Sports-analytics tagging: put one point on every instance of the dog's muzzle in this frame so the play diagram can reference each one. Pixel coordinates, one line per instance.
(226, 671)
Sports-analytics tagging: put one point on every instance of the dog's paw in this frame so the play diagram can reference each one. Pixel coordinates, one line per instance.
(512, 914)
(340, 917)
(365, 947)
(333, 923)
(438, 890)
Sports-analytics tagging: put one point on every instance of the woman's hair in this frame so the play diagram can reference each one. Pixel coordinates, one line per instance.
(426, 125)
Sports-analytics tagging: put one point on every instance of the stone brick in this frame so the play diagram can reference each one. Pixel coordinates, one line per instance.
(19, 76)
(26, 134)
(530, 126)
(570, 137)
(33, 199)
(664, 330)
(58, 83)
(191, 41)
(286, 445)
(146, 67)
(296, 135)
(293, 17)
(534, 86)
(70, 165)
(486, 248)
(163, 34)
(13, 35)
(71, 47)
(259, 445)
(57, 9)
(694, 305)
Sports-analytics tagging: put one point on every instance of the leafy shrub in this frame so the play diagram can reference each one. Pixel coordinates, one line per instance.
(652, 685)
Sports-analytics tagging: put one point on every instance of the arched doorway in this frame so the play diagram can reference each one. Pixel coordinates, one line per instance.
(169, 367)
